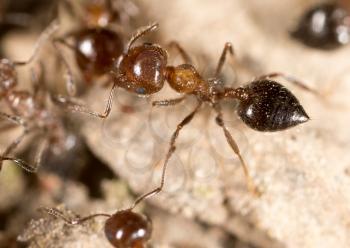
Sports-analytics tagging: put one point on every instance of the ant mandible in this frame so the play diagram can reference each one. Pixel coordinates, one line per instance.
(264, 105)
(29, 110)
(325, 26)
(96, 44)
(123, 229)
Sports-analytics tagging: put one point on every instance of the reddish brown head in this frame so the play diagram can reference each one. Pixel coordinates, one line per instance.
(141, 69)
(96, 51)
(126, 229)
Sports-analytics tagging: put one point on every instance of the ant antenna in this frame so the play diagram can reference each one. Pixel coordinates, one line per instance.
(141, 32)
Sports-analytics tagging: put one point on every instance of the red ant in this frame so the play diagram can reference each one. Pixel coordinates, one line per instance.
(325, 26)
(29, 110)
(96, 44)
(264, 105)
(123, 229)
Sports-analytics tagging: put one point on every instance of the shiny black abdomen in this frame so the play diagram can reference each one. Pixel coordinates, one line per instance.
(270, 107)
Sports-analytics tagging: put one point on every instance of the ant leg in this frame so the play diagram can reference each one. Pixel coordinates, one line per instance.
(227, 49)
(70, 84)
(220, 121)
(76, 221)
(186, 58)
(290, 79)
(45, 35)
(141, 32)
(168, 102)
(24, 165)
(72, 104)
(171, 150)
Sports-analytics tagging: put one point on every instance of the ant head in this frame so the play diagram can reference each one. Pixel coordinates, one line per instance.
(96, 50)
(269, 106)
(126, 229)
(141, 69)
(8, 76)
(183, 78)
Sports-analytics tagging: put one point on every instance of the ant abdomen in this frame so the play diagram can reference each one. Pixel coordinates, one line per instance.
(96, 50)
(141, 70)
(183, 78)
(324, 26)
(269, 106)
(127, 229)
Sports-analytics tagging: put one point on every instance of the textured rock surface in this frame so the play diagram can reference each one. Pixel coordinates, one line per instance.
(303, 172)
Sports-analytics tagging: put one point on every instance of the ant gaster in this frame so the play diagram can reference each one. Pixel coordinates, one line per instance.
(96, 44)
(28, 109)
(123, 229)
(264, 105)
(325, 26)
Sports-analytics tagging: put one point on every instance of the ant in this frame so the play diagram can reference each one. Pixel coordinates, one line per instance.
(96, 44)
(29, 110)
(123, 229)
(264, 104)
(325, 26)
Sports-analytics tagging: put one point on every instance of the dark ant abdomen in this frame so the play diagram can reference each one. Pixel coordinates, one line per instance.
(96, 50)
(270, 107)
(324, 26)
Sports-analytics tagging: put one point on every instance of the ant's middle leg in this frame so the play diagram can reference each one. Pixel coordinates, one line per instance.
(227, 49)
(168, 102)
(170, 152)
(220, 122)
(184, 55)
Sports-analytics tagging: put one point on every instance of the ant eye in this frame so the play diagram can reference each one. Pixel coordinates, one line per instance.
(140, 91)
(270, 106)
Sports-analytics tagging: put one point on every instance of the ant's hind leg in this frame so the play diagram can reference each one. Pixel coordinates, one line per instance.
(290, 79)
(70, 221)
(220, 122)
(170, 152)
(72, 104)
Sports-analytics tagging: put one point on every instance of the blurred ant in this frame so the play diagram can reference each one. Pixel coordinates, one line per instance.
(123, 229)
(264, 105)
(29, 110)
(99, 40)
(325, 26)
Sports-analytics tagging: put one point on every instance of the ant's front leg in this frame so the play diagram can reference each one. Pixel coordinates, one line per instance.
(72, 104)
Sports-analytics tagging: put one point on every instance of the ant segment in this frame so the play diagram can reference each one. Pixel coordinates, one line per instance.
(123, 229)
(325, 26)
(96, 44)
(264, 104)
(29, 110)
